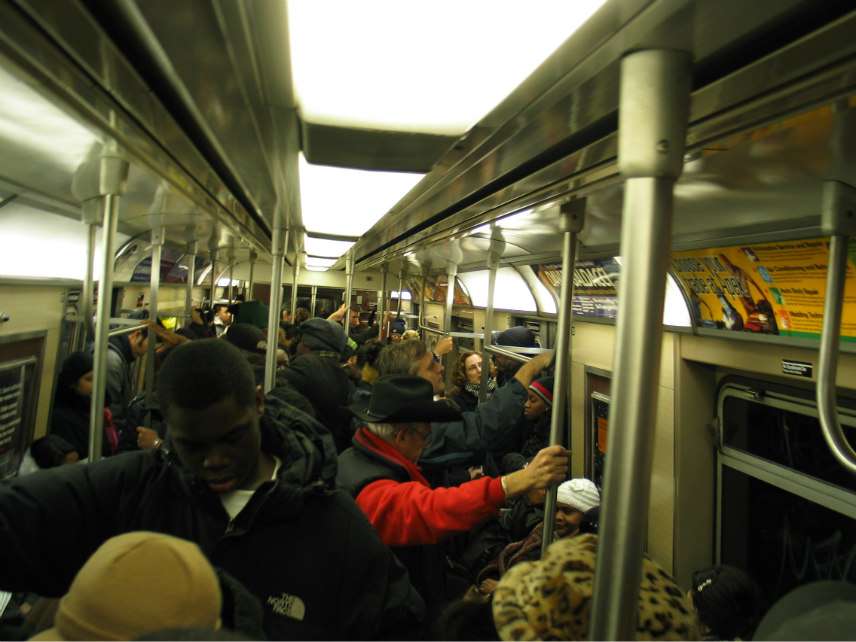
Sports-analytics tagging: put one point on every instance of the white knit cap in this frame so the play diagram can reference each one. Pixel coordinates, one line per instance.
(580, 494)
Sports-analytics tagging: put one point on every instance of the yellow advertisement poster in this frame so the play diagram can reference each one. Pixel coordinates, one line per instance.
(770, 288)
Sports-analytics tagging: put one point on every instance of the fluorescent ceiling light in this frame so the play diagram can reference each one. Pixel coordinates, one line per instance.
(431, 67)
(29, 120)
(224, 282)
(347, 202)
(323, 247)
(317, 261)
(316, 268)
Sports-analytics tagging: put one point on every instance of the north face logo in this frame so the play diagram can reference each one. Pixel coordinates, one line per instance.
(288, 605)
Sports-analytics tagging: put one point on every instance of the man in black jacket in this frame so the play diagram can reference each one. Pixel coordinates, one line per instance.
(318, 375)
(249, 485)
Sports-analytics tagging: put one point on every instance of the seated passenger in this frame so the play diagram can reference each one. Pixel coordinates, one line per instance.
(380, 471)
(317, 374)
(71, 409)
(178, 587)
(575, 499)
(494, 427)
(255, 495)
(727, 602)
(467, 381)
(551, 599)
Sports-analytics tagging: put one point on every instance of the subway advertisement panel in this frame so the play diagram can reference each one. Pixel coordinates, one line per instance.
(769, 288)
(595, 286)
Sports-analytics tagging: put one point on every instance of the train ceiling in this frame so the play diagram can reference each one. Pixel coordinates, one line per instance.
(236, 109)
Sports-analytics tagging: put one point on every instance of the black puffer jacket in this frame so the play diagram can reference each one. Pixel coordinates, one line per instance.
(323, 381)
(305, 551)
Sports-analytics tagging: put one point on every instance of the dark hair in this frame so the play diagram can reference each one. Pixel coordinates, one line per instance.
(217, 306)
(467, 620)
(591, 521)
(368, 353)
(198, 374)
(459, 378)
(728, 601)
(74, 367)
(50, 451)
(300, 315)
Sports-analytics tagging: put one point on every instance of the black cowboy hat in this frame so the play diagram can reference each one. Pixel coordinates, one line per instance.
(403, 399)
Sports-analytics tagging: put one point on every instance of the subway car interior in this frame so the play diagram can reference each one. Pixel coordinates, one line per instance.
(661, 191)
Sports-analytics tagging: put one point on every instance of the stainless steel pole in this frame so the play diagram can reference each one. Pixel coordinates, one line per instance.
(154, 291)
(110, 207)
(349, 285)
(497, 247)
(279, 243)
(191, 280)
(653, 114)
(213, 277)
(232, 280)
(572, 221)
(85, 324)
(423, 285)
(401, 275)
(381, 300)
(313, 302)
(251, 282)
(838, 219)
(296, 276)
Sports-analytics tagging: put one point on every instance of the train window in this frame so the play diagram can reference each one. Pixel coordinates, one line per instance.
(675, 311)
(43, 245)
(791, 438)
(510, 293)
(786, 508)
(543, 297)
(781, 538)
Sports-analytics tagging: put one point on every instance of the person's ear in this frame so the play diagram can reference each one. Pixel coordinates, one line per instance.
(260, 400)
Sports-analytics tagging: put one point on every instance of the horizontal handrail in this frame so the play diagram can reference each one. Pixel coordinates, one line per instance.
(433, 330)
(127, 329)
(504, 352)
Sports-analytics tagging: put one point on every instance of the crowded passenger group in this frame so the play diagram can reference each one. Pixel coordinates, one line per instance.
(358, 499)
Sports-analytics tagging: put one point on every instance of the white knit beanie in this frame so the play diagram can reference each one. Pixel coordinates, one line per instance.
(580, 494)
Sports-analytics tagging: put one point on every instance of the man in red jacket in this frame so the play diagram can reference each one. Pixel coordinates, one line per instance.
(380, 471)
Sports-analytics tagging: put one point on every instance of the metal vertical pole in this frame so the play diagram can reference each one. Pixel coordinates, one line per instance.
(497, 247)
(349, 285)
(653, 114)
(422, 297)
(213, 252)
(295, 277)
(191, 280)
(154, 290)
(573, 215)
(313, 302)
(110, 206)
(85, 319)
(401, 274)
(381, 300)
(251, 282)
(279, 243)
(451, 273)
(231, 279)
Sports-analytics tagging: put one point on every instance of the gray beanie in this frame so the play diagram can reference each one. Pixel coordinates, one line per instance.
(322, 334)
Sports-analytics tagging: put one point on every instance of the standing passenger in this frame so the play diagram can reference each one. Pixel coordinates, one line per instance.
(380, 470)
(255, 496)
(222, 319)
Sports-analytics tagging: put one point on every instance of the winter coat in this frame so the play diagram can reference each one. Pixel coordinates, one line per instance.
(305, 551)
(70, 420)
(410, 516)
(120, 381)
(328, 388)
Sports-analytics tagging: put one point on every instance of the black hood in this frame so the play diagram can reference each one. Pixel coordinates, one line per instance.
(304, 445)
(122, 345)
